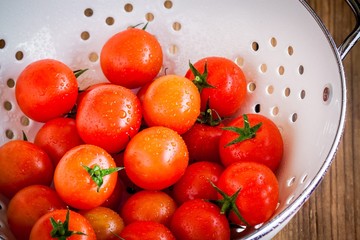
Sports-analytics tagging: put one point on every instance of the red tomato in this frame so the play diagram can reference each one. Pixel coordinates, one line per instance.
(258, 143)
(76, 185)
(146, 230)
(202, 142)
(195, 182)
(105, 222)
(117, 197)
(57, 136)
(77, 226)
(259, 191)
(108, 116)
(131, 58)
(156, 158)
(171, 101)
(23, 164)
(24, 209)
(199, 219)
(228, 91)
(147, 205)
(46, 89)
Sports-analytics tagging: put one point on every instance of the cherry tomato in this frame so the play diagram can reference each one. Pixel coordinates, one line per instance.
(108, 116)
(69, 224)
(85, 176)
(171, 101)
(105, 222)
(222, 83)
(148, 205)
(46, 89)
(259, 191)
(23, 164)
(25, 209)
(117, 197)
(252, 137)
(195, 182)
(202, 142)
(156, 158)
(131, 58)
(146, 230)
(57, 136)
(199, 219)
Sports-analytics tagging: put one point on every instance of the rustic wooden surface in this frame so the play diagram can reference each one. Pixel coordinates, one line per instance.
(333, 211)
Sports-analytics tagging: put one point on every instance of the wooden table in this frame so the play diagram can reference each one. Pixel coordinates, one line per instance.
(333, 211)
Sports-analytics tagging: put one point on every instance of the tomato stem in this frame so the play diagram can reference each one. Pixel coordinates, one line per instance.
(97, 174)
(207, 117)
(228, 203)
(79, 72)
(61, 229)
(247, 132)
(200, 79)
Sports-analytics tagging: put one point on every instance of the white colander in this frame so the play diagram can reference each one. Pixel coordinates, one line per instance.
(294, 70)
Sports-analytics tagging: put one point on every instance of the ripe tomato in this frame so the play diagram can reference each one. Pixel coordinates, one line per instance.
(131, 58)
(258, 143)
(23, 164)
(105, 222)
(171, 101)
(146, 230)
(24, 209)
(199, 219)
(156, 158)
(202, 142)
(74, 181)
(228, 84)
(195, 182)
(108, 116)
(69, 224)
(57, 136)
(148, 205)
(259, 191)
(46, 89)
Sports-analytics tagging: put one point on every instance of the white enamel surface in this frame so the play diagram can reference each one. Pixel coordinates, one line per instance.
(288, 38)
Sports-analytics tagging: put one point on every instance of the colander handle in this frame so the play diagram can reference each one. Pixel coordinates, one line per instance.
(354, 36)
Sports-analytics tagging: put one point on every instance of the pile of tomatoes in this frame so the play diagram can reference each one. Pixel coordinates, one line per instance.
(142, 156)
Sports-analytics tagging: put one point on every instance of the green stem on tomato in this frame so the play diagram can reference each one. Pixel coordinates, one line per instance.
(61, 229)
(207, 117)
(200, 79)
(97, 174)
(247, 132)
(79, 72)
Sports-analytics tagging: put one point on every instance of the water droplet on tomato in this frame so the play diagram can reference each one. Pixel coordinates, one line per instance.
(122, 114)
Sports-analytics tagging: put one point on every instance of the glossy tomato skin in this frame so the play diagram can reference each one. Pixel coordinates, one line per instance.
(156, 158)
(149, 205)
(46, 89)
(199, 219)
(23, 164)
(108, 116)
(202, 141)
(75, 185)
(131, 58)
(266, 147)
(105, 222)
(77, 222)
(146, 230)
(25, 209)
(171, 101)
(57, 136)
(229, 82)
(259, 194)
(195, 183)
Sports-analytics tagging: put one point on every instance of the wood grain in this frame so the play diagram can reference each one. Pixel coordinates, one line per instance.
(333, 211)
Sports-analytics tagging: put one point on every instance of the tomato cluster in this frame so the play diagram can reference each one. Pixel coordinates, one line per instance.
(141, 156)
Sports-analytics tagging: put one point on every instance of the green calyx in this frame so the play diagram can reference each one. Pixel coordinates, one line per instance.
(200, 80)
(228, 203)
(97, 174)
(247, 132)
(207, 117)
(79, 72)
(61, 229)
